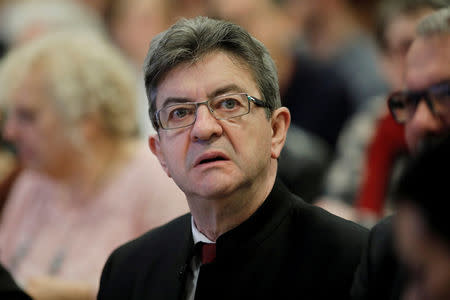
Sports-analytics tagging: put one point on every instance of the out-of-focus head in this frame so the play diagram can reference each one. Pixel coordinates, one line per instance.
(395, 30)
(235, 10)
(317, 13)
(424, 106)
(23, 20)
(100, 7)
(189, 40)
(61, 91)
(422, 226)
(134, 23)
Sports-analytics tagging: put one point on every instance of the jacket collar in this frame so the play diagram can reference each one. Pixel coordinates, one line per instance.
(246, 237)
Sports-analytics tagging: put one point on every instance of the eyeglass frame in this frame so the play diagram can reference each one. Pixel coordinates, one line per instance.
(417, 96)
(249, 98)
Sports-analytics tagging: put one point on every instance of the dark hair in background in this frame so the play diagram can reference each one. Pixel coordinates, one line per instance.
(189, 40)
(425, 183)
(388, 10)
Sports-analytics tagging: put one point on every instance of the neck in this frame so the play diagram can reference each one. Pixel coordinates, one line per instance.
(214, 217)
(97, 164)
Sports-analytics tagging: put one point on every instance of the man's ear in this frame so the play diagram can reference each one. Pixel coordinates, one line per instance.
(154, 144)
(281, 119)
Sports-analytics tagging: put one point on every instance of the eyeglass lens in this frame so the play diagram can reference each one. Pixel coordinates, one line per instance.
(403, 105)
(222, 108)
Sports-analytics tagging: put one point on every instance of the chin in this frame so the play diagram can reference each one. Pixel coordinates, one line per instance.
(215, 188)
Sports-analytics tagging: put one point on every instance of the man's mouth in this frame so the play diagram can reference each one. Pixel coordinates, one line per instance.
(209, 158)
(205, 161)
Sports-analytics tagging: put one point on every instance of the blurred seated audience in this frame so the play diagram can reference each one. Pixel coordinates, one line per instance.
(317, 97)
(302, 163)
(422, 226)
(88, 184)
(387, 148)
(422, 106)
(339, 34)
(372, 147)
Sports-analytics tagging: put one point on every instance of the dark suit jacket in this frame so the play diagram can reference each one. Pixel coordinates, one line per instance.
(380, 275)
(286, 249)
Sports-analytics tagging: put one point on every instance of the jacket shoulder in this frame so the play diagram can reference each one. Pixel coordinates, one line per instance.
(154, 238)
(131, 263)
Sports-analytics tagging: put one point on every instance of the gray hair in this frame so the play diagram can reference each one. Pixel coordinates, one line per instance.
(436, 23)
(84, 75)
(188, 40)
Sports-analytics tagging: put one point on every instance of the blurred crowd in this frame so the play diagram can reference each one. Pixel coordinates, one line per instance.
(76, 176)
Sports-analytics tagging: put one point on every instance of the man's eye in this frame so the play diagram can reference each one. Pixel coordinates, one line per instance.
(229, 103)
(179, 113)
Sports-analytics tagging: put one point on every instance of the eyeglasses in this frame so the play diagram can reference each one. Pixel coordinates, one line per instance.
(223, 107)
(403, 104)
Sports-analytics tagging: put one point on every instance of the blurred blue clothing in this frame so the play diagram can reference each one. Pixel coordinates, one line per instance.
(319, 100)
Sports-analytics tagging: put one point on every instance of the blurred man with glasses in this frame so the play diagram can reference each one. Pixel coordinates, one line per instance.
(424, 109)
(215, 104)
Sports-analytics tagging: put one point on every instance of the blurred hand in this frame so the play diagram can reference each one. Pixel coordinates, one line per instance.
(53, 288)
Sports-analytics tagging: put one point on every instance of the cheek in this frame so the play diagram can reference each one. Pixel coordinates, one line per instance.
(411, 137)
(175, 153)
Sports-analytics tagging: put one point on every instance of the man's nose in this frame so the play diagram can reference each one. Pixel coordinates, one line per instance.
(422, 124)
(424, 119)
(205, 125)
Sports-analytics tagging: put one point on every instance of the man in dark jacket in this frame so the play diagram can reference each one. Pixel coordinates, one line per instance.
(424, 109)
(215, 103)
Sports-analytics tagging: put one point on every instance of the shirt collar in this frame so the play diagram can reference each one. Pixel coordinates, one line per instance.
(197, 235)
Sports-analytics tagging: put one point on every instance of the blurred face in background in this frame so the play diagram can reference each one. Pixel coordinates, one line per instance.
(426, 255)
(428, 63)
(37, 129)
(234, 10)
(398, 37)
(135, 23)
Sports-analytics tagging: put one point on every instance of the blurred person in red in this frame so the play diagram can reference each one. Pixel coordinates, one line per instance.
(423, 107)
(89, 183)
(372, 146)
(387, 149)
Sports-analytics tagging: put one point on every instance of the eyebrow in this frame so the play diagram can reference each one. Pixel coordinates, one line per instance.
(231, 88)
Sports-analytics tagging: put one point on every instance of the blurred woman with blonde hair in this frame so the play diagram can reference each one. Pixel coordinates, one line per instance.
(89, 183)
